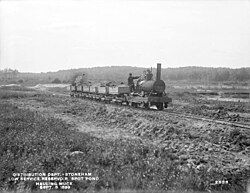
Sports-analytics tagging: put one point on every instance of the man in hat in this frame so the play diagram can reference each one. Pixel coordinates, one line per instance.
(131, 81)
(149, 75)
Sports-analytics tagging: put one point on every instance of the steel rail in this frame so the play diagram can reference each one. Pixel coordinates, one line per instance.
(244, 126)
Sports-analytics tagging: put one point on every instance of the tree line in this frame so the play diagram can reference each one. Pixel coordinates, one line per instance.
(120, 74)
(207, 74)
(8, 73)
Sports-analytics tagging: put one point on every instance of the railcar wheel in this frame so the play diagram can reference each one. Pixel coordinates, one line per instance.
(146, 105)
(135, 105)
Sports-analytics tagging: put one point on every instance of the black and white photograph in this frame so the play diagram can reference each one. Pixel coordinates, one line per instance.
(125, 96)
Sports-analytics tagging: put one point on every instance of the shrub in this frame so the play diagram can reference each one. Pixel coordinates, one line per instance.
(56, 81)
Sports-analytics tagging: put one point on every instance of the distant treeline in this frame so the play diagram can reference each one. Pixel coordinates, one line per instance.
(207, 74)
(120, 74)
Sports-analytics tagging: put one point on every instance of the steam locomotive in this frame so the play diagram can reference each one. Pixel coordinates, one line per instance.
(146, 92)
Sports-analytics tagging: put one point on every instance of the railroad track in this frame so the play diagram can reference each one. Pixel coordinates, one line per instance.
(245, 126)
(240, 125)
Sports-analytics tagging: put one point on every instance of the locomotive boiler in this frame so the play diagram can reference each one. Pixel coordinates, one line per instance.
(153, 86)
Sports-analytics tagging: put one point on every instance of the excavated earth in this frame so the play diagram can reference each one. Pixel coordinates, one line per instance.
(235, 112)
(191, 143)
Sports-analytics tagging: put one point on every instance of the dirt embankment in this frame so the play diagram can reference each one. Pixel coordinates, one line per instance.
(192, 143)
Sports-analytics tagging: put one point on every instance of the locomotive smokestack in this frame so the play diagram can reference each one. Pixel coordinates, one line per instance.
(158, 72)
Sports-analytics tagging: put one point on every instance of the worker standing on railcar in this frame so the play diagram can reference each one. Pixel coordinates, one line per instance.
(149, 75)
(131, 82)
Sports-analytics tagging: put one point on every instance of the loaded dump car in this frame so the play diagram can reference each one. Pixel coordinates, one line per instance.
(143, 92)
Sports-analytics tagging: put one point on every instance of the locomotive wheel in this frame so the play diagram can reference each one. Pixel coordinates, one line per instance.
(146, 105)
(160, 106)
(135, 105)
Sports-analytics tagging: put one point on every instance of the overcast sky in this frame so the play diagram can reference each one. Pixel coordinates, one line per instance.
(51, 35)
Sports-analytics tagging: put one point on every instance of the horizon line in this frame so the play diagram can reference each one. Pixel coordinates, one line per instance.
(109, 66)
